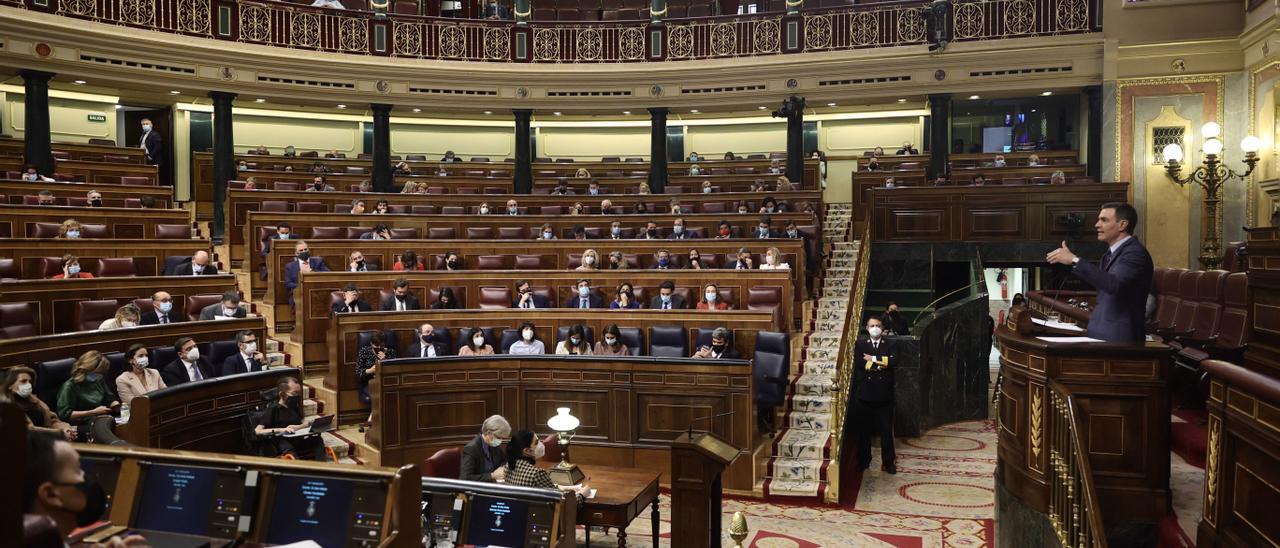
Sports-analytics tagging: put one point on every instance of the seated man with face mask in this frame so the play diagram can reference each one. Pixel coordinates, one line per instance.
(54, 486)
(429, 343)
(228, 308)
(285, 415)
(719, 348)
(482, 457)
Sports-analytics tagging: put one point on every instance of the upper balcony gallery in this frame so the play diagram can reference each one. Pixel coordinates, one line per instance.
(586, 31)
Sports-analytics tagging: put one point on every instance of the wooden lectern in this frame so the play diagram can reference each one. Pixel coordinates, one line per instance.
(697, 460)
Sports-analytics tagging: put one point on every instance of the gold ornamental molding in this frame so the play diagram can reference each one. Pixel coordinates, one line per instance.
(1037, 424)
(1213, 474)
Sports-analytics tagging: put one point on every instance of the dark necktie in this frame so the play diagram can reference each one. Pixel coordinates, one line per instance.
(253, 365)
(583, 303)
(1106, 260)
(164, 318)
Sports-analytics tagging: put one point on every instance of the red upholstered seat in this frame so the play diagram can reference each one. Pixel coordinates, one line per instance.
(18, 320)
(459, 294)
(275, 205)
(529, 262)
(312, 207)
(441, 233)
(195, 303)
(1234, 328)
(94, 231)
(492, 262)
(43, 230)
(479, 233)
(115, 267)
(173, 232)
(408, 233)
(512, 233)
(445, 463)
(143, 181)
(453, 210)
(495, 297)
(1168, 298)
(9, 269)
(422, 209)
(1204, 324)
(90, 314)
(328, 232)
(1188, 284)
(284, 185)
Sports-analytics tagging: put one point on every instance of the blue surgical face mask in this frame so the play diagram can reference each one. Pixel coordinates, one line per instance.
(678, 229)
(666, 298)
(664, 262)
(73, 269)
(616, 230)
(584, 291)
(166, 307)
(93, 377)
(546, 235)
(73, 233)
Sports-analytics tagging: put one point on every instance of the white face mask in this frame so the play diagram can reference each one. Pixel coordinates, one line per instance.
(478, 340)
(24, 389)
(193, 354)
(142, 362)
(589, 260)
(128, 323)
(875, 331)
(146, 127)
(706, 190)
(527, 334)
(495, 442)
(484, 211)
(228, 312)
(610, 341)
(711, 296)
(250, 348)
(539, 451)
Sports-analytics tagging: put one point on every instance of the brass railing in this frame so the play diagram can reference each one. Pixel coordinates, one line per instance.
(844, 375)
(1073, 502)
(281, 24)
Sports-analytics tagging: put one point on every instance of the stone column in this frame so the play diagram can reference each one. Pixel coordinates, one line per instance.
(939, 134)
(1093, 139)
(224, 158)
(524, 156)
(658, 149)
(382, 181)
(38, 147)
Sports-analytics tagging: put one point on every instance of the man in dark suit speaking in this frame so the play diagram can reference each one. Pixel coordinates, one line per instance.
(1122, 279)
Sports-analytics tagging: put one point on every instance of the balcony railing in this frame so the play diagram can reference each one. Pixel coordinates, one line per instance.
(1074, 511)
(364, 33)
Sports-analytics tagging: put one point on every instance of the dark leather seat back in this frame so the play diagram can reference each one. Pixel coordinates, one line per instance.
(495, 297)
(1232, 257)
(529, 262)
(408, 233)
(1235, 328)
(328, 232)
(422, 209)
(43, 230)
(512, 233)
(1168, 298)
(40, 531)
(171, 263)
(173, 232)
(668, 341)
(441, 233)
(445, 463)
(509, 337)
(312, 207)
(90, 314)
(50, 376)
(94, 231)
(115, 267)
(18, 320)
(479, 233)
(771, 367)
(1188, 284)
(633, 339)
(1209, 310)
(492, 262)
(9, 270)
(354, 232)
(219, 350)
(275, 205)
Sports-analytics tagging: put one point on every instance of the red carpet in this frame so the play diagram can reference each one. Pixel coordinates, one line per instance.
(1171, 535)
(1190, 438)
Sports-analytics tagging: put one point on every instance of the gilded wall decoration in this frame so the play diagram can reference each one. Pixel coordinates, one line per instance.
(193, 16)
(969, 20)
(304, 29)
(546, 45)
(353, 34)
(255, 23)
(453, 42)
(408, 39)
(817, 32)
(1073, 15)
(680, 41)
(589, 45)
(1020, 17)
(865, 29)
(766, 37)
(497, 43)
(138, 12)
(911, 25)
(724, 39)
(631, 44)
(84, 8)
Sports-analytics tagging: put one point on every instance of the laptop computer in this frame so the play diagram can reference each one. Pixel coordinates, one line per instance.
(321, 424)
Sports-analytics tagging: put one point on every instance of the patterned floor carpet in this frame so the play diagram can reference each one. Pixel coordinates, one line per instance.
(941, 497)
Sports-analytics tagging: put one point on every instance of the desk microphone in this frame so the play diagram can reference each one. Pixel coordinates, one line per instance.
(708, 417)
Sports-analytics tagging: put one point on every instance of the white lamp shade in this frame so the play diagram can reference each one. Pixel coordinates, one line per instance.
(563, 421)
(1210, 130)
(1172, 152)
(1250, 144)
(1212, 146)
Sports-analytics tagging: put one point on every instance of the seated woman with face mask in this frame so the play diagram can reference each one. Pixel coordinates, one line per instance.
(576, 344)
(19, 383)
(285, 415)
(476, 346)
(773, 260)
(126, 316)
(610, 344)
(523, 452)
(527, 343)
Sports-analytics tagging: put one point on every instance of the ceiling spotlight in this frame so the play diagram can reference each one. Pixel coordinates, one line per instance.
(693, 111)
(342, 106)
(831, 104)
(1033, 110)
(627, 112)
(762, 108)
(488, 112)
(79, 82)
(174, 92)
(259, 100)
(556, 113)
(902, 100)
(1046, 94)
(973, 97)
(417, 110)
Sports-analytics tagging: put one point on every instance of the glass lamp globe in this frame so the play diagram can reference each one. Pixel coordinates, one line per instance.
(1213, 146)
(1172, 152)
(563, 421)
(1250, 144)
(1210, 130)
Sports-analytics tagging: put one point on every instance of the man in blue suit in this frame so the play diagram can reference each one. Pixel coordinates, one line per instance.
(248, 358)
(1122, 278)
(584, 297)
(304, 263)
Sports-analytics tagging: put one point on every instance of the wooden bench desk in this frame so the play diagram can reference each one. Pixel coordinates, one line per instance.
(78, 151)
(56, 299)
(122, 222)
(15, 191)
(29, 350)
(149, 256)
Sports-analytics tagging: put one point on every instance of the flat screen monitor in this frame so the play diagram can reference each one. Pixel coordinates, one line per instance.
(193, 500)
(493, 521)
(333, 512)
(103, 471)
(441, 517)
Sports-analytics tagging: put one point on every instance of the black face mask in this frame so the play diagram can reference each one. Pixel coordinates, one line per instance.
(718, 348)
(453, 264)
(304, 255)
(653, 232)
(96, 203)
(428, 337)
(95, 502)
(401, 297)
(319, 186)
(293, 401)
(360, 262)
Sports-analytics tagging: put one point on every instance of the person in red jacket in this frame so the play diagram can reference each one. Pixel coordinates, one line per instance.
(71, 268)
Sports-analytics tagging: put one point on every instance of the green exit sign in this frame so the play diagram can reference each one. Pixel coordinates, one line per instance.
(100, 118)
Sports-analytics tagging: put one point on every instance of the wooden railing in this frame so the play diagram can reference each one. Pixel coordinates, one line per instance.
(1074, 511)
(281, 24)
(844, 360)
